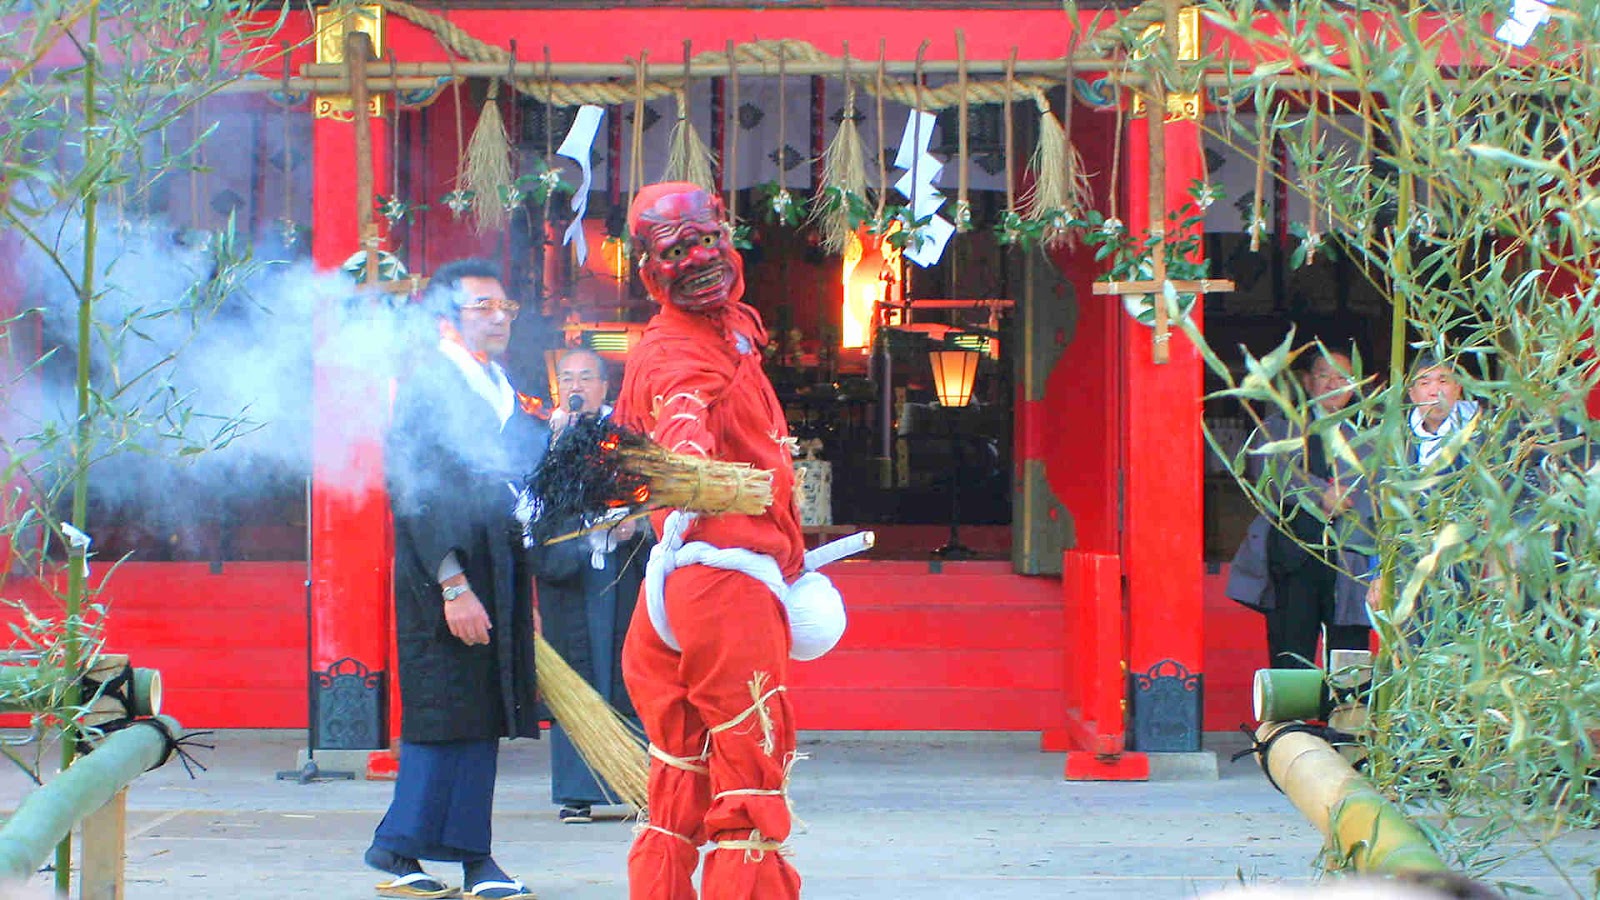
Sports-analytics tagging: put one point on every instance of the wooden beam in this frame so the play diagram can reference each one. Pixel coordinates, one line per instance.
(105, 850)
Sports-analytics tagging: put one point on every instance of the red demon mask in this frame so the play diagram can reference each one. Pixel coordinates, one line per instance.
(685, 246)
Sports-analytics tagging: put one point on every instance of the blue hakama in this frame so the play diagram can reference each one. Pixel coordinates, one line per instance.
(443, 802)
(571, 782)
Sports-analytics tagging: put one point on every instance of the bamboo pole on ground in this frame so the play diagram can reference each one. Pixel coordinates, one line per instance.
(48, 814)
(1362, 828)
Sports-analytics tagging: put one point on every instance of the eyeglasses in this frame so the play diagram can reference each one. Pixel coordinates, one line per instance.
(508, 307)
(582, 378)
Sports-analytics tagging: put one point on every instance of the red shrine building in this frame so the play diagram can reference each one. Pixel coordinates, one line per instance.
(1089, 609)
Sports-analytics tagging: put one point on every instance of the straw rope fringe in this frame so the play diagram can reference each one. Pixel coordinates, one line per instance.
(610, 93)
(1060, 186)
(609, 744)
(688, 157)
(486, 167)
(844, 173)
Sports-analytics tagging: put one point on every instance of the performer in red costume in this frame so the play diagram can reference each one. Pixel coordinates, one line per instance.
(709, 680)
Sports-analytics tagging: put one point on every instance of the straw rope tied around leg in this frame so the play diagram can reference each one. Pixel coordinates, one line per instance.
(788, 775)
(756, 847)
(758, 708)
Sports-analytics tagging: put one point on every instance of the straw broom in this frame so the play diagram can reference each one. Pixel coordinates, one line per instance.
(1060, 188)
(486, 167)
(599, 466)
(610, 745)
(688, 157)
(844, 174)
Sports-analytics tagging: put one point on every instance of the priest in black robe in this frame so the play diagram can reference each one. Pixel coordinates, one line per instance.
(461, 442)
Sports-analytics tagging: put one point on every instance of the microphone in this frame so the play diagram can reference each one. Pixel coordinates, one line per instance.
(575, 403)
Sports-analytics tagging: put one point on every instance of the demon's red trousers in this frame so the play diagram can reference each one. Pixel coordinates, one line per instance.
(722, 738)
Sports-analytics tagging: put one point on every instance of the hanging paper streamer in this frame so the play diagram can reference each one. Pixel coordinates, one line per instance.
(917, 185)
(576, 147)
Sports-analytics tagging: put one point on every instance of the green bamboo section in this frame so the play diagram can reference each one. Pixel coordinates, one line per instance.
(46, 816)
(26, 688)
(1280, 695)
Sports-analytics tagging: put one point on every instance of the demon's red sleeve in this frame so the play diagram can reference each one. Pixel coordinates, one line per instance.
(670, 396)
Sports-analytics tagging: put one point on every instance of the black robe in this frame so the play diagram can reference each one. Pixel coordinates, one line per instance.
(568, 584)
(450, 466)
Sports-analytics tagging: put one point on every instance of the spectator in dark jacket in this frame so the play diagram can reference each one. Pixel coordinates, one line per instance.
(1299, 569)
(588, 588)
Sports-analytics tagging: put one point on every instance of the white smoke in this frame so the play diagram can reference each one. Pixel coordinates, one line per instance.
(235, 371)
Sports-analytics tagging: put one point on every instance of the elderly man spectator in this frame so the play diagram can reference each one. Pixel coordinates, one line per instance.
(587, 592)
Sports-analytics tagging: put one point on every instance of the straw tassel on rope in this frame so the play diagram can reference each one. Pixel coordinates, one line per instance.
(486, 168)
(1258, 221)
(1313, 228)
(1080, 193)
(1010, 136)
(1053, 198)
(688, 157)
(844, 174)
(883, 153)
(636, 148)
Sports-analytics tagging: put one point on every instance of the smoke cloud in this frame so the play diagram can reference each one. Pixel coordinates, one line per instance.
(190, 353)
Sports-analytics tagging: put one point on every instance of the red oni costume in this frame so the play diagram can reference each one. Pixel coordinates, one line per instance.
(722, 736)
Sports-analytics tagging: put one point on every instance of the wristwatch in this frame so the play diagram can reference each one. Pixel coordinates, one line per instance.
(454, 591)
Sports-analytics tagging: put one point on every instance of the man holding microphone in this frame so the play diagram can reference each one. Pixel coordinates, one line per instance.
(587, 592)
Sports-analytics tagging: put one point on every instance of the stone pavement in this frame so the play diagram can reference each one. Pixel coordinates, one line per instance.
(889, 817)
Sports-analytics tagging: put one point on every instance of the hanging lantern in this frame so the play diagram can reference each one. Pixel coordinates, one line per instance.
(954, 372)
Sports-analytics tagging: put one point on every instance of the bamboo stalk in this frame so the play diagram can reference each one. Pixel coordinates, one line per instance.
(82, 449)
(1156, 119)
(357, 50)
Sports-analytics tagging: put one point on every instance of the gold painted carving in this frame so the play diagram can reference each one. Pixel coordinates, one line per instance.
(1181, 106)
(333, 23)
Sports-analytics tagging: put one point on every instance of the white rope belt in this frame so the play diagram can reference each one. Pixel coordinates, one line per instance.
(671, 553)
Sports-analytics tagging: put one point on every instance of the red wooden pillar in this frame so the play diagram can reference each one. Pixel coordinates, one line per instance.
(351, 554)
(1162, 542)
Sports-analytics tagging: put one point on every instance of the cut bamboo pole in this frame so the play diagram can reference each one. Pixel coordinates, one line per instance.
(1362, 828)
(1280, 695)
(19, 682)
(48, 814)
